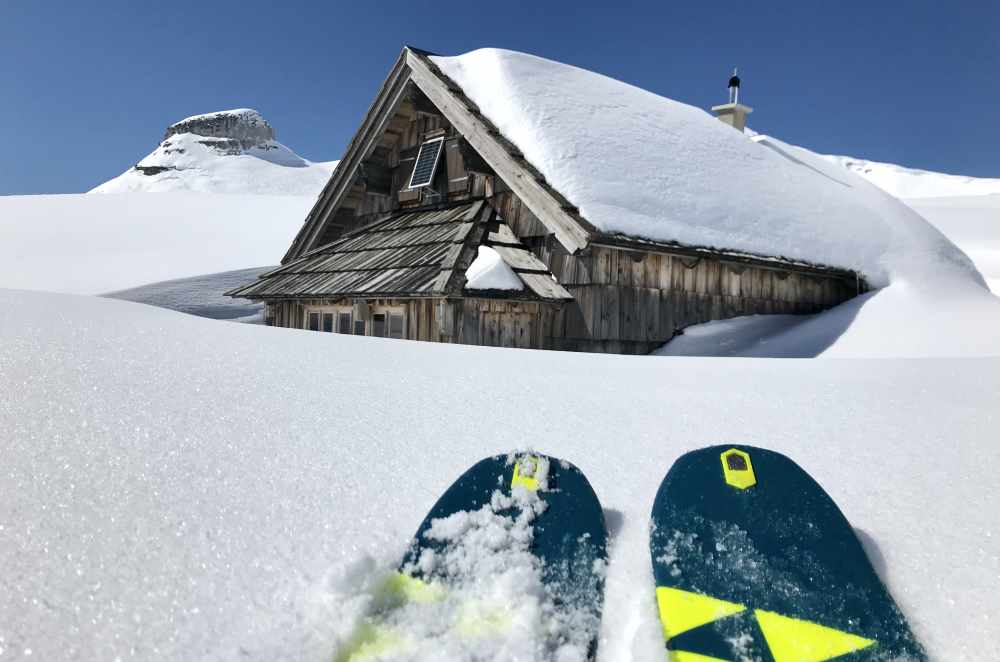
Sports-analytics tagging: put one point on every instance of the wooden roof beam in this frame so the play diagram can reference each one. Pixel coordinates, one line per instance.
(509, 165)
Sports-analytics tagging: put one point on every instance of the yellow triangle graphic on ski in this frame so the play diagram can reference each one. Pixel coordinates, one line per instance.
(685, 656)
(681, 611)
(794, 640)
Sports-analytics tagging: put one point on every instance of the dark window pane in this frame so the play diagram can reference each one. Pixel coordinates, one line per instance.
(378, 325)
(314, 321)
(395, 326)
(359, 327)
(328, 322)
(344, 323)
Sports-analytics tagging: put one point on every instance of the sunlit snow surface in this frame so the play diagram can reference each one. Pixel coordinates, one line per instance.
(93, 244)
(192, 164)
(489, 272)
(180, 488)
(973, 223)
(912, 183)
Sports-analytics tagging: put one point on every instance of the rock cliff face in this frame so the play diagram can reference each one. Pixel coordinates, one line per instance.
(231, 151)
(243, 126)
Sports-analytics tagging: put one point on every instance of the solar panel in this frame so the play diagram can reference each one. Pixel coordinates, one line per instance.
(426, 165)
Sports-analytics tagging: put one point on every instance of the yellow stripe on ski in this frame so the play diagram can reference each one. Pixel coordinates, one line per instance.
(681, 611)
(794, 640)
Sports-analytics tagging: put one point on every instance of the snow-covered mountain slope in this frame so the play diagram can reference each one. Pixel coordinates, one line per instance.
(233, 151)
(910, 183)
(702, 183)
(180, 488)
(965, 209)
(973, 224)
(92, 244)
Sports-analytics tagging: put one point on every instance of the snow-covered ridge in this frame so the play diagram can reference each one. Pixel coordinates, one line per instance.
(232, 151)
(912, 183)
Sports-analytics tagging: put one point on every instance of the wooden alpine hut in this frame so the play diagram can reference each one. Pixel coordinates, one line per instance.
(437, 226)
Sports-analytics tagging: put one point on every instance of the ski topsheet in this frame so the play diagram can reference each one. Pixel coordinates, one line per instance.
(754, 561)
(508, 564)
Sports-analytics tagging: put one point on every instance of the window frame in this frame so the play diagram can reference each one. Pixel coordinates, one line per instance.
(434, 167)
(349, 314)
(401, 316)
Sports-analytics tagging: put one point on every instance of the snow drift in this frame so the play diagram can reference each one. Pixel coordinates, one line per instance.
(913, 183)
(92, 244)
(180, 488)
(489, 272)
(973, 223)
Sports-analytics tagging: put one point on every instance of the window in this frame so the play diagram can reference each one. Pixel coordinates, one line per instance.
(359, 327)
(328, 322)
(343, 323)
(395, 326)
(426, 165)
(314, 321)
(378, 325)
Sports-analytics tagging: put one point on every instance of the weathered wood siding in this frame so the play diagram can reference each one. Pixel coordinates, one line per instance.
(468, 321)
(630, 301)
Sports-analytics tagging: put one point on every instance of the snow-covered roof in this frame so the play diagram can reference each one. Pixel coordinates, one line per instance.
(642, 165)
(415, 253)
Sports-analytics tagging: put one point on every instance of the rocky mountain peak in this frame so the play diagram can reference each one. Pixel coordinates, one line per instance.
(243, 125)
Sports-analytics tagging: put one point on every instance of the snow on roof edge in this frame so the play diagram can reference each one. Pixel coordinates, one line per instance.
(587, 134)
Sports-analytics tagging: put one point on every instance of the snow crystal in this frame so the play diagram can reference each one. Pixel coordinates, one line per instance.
(490, 601)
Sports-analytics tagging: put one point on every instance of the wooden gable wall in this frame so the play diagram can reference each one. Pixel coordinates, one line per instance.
(381, 185)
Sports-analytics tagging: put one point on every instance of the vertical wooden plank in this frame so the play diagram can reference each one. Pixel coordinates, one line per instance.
(627, 310)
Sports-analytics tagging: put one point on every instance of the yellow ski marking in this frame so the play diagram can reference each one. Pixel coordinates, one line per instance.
(794, 640)
(737, 469)
(681, 611)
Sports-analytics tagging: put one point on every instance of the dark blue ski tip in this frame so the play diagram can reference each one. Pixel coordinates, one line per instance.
(545, 497)
(753, 559)
(571, 508)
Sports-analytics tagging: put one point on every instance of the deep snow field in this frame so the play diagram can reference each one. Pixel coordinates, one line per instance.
(93, 244)
(181, 488)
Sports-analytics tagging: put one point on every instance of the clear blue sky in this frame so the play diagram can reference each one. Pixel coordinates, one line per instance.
(87, 88)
